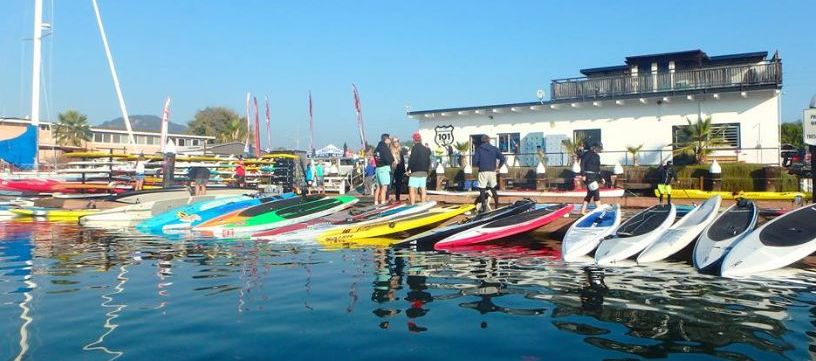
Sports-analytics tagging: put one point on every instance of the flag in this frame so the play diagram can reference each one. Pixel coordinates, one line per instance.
(311, 125)
(358, 109)
(268, 125)
(164, 124)
(257, 130)
(246, 141)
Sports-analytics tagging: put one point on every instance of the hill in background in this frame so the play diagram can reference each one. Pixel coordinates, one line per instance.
(143, 123)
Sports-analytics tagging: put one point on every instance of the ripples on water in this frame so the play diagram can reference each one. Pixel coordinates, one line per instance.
(71, 293)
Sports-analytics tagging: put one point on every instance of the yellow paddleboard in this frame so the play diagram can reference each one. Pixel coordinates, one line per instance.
(768, 196)
(54, 213)
(279, 155)
(360, 243)
(397, 225)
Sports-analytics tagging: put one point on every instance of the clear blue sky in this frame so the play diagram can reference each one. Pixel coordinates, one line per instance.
(422, 54)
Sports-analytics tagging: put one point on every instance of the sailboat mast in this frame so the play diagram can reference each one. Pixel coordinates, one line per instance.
(113, 74)
(35, 77)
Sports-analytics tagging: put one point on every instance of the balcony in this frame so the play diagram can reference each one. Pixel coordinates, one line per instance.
(768, 73)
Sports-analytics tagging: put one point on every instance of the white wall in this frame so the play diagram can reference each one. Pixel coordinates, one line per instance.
(631, 123)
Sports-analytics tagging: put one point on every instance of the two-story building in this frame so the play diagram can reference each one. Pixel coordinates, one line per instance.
(645, 102)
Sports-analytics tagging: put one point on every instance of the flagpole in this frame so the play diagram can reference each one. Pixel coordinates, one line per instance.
(268, 122)
(311, 125)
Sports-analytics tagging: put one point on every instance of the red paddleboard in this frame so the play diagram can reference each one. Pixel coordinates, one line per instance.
(33, 185)
(506, 227)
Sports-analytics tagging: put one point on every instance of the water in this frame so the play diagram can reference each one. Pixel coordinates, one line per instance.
(69, 293)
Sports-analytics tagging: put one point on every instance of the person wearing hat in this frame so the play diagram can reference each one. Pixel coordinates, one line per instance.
(591, 174)
(385, 160)
(667, 176)
(419, 165)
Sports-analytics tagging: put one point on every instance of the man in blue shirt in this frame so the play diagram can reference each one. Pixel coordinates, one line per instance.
(486, 158)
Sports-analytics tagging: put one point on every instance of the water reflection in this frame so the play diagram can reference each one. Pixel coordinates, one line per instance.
(132, 285)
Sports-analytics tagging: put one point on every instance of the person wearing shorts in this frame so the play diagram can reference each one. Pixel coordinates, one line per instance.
(667, 176)
(201, 176)
(319, 177)
(385, 162)
(419, 165)
(309, 177)
(486, 158)
(139, 175)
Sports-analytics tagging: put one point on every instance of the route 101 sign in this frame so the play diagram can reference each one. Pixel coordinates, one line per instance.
(809, 126)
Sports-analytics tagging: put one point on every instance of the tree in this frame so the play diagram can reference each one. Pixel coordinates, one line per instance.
(699, 139)
(220, 122)
(792, 134)
(72, 129)
(572, 148)
(634, 151)
(463, 148)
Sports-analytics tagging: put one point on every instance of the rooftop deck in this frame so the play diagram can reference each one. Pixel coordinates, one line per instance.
(765, 74)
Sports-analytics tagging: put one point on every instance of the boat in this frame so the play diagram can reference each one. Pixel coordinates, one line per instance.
(683, 232)
(192, 215)
(767, 196)
(719, 237)
(776, 244)
(635, 234)
(150, 195)
(605, 193)
(311, 230)
(384, 228)
(505, 227)
(134, 213)
(427, 239)
(52, 213)
(282, 217)
(586, 233)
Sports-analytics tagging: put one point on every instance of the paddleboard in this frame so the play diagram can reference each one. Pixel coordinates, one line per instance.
(505, 227)
(635, 234)
(587, 232)
(682, 233)
(776, 244)
(605, 193)
(719, 237)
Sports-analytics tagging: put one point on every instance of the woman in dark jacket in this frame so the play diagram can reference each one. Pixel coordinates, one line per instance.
(399, 170)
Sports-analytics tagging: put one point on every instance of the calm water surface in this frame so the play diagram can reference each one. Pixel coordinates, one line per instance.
(71, 293)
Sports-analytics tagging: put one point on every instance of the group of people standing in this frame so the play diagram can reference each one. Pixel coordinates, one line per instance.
(388, 167)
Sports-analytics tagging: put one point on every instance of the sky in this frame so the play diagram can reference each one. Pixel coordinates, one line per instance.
(401, 54)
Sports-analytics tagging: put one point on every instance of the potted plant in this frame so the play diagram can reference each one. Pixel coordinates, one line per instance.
(463, 148)
(634, 151)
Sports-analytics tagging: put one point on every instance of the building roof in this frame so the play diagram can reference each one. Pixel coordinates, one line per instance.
(107, 130)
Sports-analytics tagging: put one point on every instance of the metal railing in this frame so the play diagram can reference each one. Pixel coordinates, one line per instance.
(767, 73)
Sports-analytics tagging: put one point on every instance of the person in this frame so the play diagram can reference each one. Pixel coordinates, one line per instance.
(451, 155)
(591, 175)
(514, 145)
(370, 173)
(240, 173)
(385, 160)
(309, 176)
(419, 165)
(485, 158)
(320, 170)
(399, 169)
(542, 157)
(200, 177)
(139, 175)
(667, 176)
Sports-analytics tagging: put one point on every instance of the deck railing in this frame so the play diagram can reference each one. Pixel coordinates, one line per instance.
(766, 73)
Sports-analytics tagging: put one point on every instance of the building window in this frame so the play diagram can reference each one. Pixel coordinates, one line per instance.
(727, 133)
(97, 138)
(45, 127)
(181, 142)
(587, 137)
(509, 142)
(106, 138)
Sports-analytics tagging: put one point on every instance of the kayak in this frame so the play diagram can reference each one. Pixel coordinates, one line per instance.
(728, 229)
(635, 234)
(682, 233)
(768, 196)
(195, 214)
(313, 229)
(776, 244)
(426, 240)
(587, 232)
(134, 213)
(144, 196)
(605, 193)
(284, 216)
(241, 215)
(331, 219)
(53, 213)
(31, 185)
(505, 227)
(384, 228)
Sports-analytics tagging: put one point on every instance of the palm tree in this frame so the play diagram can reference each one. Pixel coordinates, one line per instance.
(633, 150)
(72, 129)
(699, 139)
(463, 148)
(235, 131)
(572, 148)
